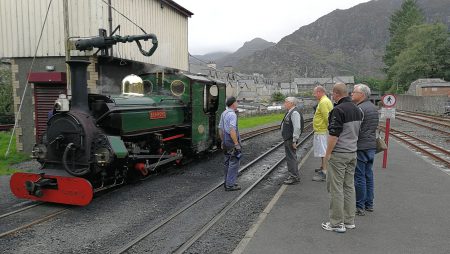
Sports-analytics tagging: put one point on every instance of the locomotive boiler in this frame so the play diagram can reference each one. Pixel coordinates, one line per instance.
(97, 141)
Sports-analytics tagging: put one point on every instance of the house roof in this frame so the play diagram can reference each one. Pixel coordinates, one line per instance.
(322, 81)
(177, 7)
(439, 84)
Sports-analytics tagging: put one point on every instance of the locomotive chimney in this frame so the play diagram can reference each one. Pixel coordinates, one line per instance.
(78, 73)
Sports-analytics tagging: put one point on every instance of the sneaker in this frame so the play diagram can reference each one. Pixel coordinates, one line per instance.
(360, 211)
(318, 170)
(291, 181)
(320, 177)
(369, 209)
(233, 188)
(338, 228)
(349, 226)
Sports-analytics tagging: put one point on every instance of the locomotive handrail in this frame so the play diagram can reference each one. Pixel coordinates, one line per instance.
(134, 108)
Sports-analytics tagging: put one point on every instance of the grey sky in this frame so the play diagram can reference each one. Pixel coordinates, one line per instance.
(219, 25)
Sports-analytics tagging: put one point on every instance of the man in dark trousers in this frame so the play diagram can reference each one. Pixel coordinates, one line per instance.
(290, 131)
(231, 144)
(343, 129)
(366, 150)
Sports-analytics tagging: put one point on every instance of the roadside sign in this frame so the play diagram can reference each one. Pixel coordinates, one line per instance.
(387, 113)
(389, 100)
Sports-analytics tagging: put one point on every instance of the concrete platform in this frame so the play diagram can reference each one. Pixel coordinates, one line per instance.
(412, 208)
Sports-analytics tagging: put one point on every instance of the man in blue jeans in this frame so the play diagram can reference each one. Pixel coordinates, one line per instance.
(231, 144)
(364, 184)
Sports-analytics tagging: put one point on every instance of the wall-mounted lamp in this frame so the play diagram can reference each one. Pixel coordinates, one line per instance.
(50, 68)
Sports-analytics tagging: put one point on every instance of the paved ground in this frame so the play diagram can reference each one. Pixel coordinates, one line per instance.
(412, 206)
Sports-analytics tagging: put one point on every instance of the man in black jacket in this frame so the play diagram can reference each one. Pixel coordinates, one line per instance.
(343, 129)
(366, 150)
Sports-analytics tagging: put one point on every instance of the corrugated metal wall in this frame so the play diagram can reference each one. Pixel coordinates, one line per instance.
(21, 21)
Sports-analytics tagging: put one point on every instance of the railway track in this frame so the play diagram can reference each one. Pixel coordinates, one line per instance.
(208, 194)
(401, 118)
(39, 212)
(26, 217)
(6, 127)
(437, 118)
(428, 119)
(257, 132)
(437, 153)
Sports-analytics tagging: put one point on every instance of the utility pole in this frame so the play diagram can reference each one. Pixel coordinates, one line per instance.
(66, 44)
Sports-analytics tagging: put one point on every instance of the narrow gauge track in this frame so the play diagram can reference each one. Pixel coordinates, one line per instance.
(26, 217)
(423, 125)
(6, 127)
(257, 132)
(8, 220)
(437, 118)
(188, 243)
(428, 119)
(438, 153)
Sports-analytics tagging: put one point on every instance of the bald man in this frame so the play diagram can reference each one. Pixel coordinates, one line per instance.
(343, 129)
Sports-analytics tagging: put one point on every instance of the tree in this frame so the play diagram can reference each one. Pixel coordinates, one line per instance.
(426, 55)
(6, 98)
(409, 15)
(277, 96)
(374, 83)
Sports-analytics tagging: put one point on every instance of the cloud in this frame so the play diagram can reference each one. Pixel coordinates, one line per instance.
(226, 25)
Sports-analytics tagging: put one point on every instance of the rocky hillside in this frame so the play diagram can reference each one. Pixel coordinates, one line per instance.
(343, 42)
(249, 48)
(212, 57)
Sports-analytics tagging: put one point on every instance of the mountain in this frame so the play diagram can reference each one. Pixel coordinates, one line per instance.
(343, 42)
(249, 48)
(212, 57)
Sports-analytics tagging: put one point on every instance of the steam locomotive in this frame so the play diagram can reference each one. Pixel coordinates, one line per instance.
(94, 141)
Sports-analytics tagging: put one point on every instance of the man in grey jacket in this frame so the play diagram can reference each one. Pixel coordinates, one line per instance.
(366, 150)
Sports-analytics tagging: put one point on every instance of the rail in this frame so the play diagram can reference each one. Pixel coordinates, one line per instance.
(216, 218)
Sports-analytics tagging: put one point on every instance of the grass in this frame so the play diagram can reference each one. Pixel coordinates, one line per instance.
(254, 121)
(13, 158)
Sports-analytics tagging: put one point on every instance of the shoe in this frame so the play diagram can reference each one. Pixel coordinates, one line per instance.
(318, 170)
(320, 177)
(369, 209)
(291, 181)
(225, 186)
(350, 226)
(233, 188)
(360, 211)
(338, 228)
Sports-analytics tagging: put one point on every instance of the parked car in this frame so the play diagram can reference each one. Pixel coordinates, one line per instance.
(447, 108)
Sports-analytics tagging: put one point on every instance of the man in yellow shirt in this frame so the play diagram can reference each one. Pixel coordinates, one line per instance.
(320, 125)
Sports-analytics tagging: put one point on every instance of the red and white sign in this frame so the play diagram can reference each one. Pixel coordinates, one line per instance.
(159, 114)
(389, 100)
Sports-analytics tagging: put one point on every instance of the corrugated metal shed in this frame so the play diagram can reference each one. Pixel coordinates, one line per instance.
(21, 22)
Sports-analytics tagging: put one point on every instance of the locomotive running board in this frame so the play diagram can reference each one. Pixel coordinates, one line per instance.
(69, 190)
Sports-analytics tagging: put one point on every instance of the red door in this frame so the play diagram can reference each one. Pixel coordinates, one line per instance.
(47, 88)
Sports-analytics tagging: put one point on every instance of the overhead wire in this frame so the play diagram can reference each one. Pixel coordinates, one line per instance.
(28, 78)
(123, 15)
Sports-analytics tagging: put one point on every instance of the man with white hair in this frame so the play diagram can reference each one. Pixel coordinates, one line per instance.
(290, 131)
(366, 150)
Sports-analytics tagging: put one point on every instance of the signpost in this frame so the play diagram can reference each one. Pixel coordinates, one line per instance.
(387, 112)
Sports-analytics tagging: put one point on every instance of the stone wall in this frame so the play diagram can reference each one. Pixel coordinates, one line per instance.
(431, 104)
